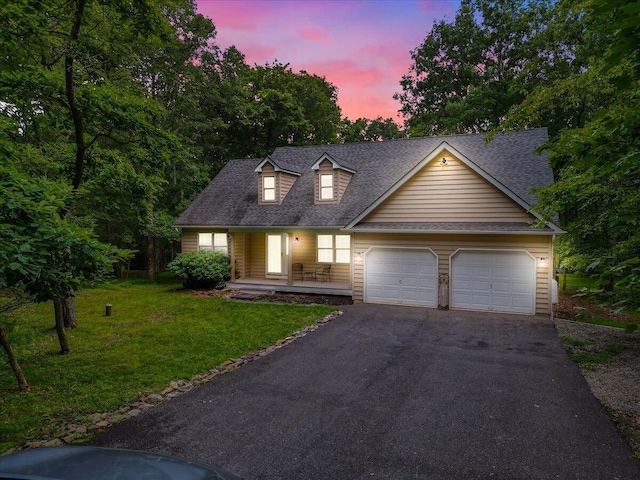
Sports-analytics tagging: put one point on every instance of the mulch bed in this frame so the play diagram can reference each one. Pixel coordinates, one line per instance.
(577, 308)
(276, 297)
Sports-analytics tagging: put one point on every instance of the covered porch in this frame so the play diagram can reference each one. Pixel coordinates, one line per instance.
(290, 262)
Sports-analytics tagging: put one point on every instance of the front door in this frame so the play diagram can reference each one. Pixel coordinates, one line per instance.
(277, 255)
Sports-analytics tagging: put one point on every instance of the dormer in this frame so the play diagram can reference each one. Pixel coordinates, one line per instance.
(274, 181)
(331, 178)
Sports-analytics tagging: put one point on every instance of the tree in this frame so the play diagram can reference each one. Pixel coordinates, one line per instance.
(597, 160)
(468, 73)
(368, 130)
(43, 257)
(80, 107)
(18, 298)
(260, 108)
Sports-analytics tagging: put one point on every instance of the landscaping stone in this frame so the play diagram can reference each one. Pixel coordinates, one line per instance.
(153, 398)
(56, 442)
(70, 438)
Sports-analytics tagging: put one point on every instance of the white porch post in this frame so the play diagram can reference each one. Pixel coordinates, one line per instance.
(290, 260)
(232, 256)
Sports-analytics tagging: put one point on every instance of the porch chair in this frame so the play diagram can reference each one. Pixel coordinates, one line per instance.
(297, 270)
(323, 272)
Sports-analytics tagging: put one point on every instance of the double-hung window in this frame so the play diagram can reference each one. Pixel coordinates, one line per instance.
(268, 189)
(213, 241)
(334, 248)
(326, 186)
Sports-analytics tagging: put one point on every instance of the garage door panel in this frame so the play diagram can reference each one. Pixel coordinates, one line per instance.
(522, 288)
(495, 281)
(401, 276)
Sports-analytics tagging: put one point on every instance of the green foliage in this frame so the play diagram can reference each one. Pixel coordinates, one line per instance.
(594, 119)
(41, 252)
(135, 105)
(469, 72)
(155, 335)
(260, 108)
(368, 130)
(202, 269)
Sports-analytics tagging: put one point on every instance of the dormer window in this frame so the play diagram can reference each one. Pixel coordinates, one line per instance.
(326, 186)
(275, 179)
(331, 179)
(268, 188)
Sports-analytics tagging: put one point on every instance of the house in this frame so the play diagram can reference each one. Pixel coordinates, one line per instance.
(438, 221)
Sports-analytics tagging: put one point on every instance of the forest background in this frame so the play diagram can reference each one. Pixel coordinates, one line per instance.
(115, 114)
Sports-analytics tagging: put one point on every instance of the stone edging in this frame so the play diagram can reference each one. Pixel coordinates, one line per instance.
(99, 421)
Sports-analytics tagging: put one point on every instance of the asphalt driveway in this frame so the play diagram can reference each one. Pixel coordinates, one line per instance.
(396, 393)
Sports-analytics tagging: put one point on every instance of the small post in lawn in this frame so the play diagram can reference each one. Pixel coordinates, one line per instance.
(107, 310)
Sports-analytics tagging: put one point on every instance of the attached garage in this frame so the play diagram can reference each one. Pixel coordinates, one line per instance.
(501, 281)
(403, 276)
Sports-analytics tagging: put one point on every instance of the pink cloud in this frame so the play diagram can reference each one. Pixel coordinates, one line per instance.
(230, 15)
(363, 48)
(344, 72)
(258, 54)
(317, 35)
(369, 106)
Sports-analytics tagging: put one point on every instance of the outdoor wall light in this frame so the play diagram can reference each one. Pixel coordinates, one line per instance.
(296, 241)
(543, 262)
(443, 161)
(358, 256)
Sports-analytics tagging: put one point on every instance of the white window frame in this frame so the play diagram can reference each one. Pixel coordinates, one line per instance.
(332, 249)
(210, 241)
(326, 192)
(270, 189)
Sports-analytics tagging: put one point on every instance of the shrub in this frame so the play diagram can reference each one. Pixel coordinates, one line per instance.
(202, 269)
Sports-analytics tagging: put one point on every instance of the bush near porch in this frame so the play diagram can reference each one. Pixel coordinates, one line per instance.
(202, 269)
(157, 333)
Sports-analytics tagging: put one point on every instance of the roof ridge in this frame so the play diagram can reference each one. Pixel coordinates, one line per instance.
(396, 140)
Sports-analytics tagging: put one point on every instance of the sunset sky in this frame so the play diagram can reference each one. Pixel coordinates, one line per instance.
(361, 46)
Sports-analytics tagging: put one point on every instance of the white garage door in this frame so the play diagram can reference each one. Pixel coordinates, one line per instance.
(496, 281)
(400, 276)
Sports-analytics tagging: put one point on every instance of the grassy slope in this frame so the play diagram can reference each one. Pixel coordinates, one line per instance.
(156, 334)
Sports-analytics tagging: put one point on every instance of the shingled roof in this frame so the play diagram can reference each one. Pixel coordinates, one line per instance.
(231, 199)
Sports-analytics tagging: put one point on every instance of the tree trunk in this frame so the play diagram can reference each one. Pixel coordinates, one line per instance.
(564, 279)
(13, 361)
(59, 307)
(70, 320)
(151, 258)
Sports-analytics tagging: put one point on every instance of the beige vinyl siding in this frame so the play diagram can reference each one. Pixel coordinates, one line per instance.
(343, 179)
(189, 240)
(445, 245)
(257, 252)
(448, 193)
(239, 240)
(285, 182)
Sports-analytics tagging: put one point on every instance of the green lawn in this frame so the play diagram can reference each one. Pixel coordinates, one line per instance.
(157, 333)
(576, 281)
